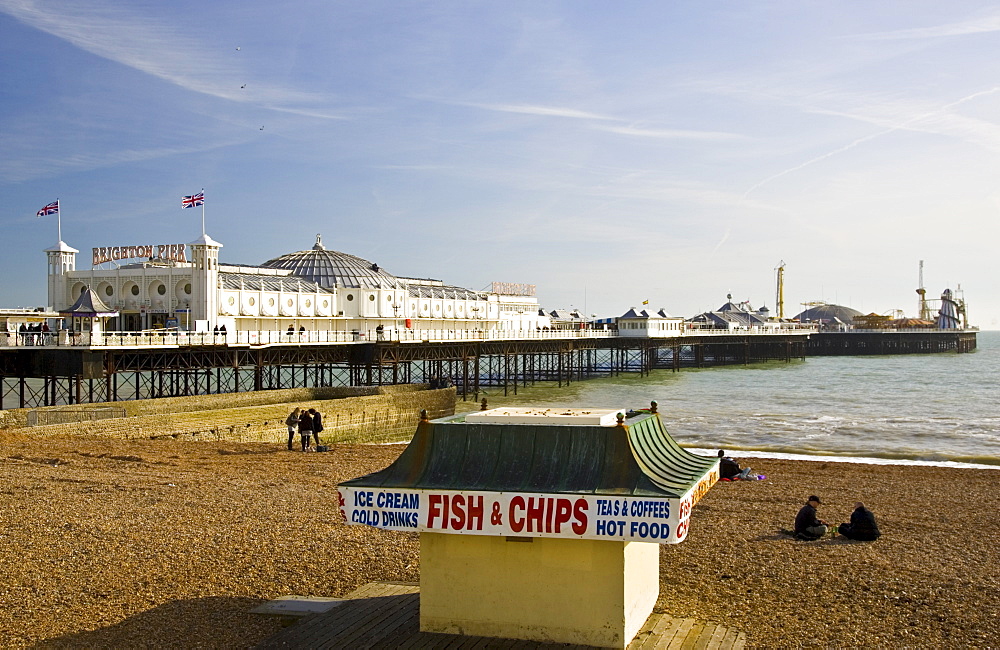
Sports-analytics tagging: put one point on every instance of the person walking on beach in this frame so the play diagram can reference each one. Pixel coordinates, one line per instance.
(292, 422)
(729, 469)
(305, 428)
(808, 526)
(317, 418)
(862, 527)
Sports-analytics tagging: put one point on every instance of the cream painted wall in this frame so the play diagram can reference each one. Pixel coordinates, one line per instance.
(542, 589)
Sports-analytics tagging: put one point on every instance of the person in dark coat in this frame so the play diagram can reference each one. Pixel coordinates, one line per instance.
(808, 526)
(317, 424)
(305, 428)
(862, 526)
(292, 422)
(730, 469)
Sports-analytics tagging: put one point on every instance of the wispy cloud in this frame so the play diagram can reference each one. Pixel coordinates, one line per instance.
(160, 49)
(908, 124)
(670, 134)
(725, 236)
(975, 26)
(34, 165)
(542, 111)
(415, 168)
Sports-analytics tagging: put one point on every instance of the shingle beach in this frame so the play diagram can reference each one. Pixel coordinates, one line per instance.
(170, 544)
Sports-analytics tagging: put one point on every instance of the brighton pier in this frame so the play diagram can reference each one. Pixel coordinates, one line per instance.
(178, 324)
(111, 367)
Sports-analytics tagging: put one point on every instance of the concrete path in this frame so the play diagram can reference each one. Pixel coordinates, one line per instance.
(386, 615)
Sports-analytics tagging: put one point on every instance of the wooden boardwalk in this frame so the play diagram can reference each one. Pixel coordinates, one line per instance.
(387, 615)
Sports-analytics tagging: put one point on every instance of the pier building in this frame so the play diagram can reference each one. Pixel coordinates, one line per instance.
(186, 286)
(643, 324)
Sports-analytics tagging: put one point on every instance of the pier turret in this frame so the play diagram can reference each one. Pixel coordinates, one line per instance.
(62, 259)
(205, 279)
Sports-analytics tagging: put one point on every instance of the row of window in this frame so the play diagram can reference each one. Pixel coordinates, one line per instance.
(270, 302)
(160, 288)
(644, 325)
(350, 298)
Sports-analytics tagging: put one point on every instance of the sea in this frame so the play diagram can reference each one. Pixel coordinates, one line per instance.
(927, 409)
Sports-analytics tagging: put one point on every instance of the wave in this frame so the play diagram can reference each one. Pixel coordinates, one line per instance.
(964, 462)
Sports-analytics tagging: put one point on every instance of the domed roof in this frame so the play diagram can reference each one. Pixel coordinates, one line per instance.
(333, 268)
(828, 313)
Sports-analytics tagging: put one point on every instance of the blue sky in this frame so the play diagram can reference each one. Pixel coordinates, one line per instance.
(609, 153)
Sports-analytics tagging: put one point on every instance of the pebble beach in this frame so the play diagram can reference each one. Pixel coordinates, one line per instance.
(166, 544)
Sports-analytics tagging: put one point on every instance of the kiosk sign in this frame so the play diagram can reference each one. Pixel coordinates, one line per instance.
(577, 516)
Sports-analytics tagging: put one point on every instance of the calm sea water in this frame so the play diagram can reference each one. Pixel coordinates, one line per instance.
(929, 409)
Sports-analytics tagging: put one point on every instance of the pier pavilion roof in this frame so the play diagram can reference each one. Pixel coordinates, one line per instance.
(88, 304)
(723, 319)
(254, 282)
(334, 269)
(828, 313)
(443, 291)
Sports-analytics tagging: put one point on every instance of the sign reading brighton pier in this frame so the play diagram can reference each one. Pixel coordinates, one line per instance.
(513, 289)
(175, 252)
(580, 516)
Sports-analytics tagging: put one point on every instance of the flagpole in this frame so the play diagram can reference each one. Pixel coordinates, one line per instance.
(203, 211)
(58, 221)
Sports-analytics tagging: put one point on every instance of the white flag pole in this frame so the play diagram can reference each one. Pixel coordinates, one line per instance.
(203, 211)
(58, 220)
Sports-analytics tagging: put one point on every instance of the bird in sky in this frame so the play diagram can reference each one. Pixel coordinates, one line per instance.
(237, 48)
(243, 86)
(261, 128)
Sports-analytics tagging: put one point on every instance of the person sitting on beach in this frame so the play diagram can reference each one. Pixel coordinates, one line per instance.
(292, 422)
(808, 526)
(305, 429)
(862, 527)
(730, 470)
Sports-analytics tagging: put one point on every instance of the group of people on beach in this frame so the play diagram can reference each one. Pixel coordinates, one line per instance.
(308, 423)
(808, 525)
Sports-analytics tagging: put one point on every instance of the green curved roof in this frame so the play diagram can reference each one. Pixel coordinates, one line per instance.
(637, 459)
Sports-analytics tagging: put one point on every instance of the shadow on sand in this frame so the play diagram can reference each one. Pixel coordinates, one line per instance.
(216, 621)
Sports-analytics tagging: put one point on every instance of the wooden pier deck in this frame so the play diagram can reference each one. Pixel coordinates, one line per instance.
(386, 615)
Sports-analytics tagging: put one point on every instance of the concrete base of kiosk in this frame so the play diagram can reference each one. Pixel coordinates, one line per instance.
(588, 592)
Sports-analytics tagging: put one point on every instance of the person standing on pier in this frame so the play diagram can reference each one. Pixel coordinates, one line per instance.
(292, 422)
(305, 429)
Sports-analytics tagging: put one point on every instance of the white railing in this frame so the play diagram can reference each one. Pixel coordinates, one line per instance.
(244, 338)
(917, 330)
(756, 331)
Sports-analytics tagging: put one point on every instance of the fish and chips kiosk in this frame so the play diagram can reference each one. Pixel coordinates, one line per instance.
(537, 524)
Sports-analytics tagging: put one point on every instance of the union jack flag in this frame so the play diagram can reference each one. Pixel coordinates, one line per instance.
(51, 208)
(195, 200)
